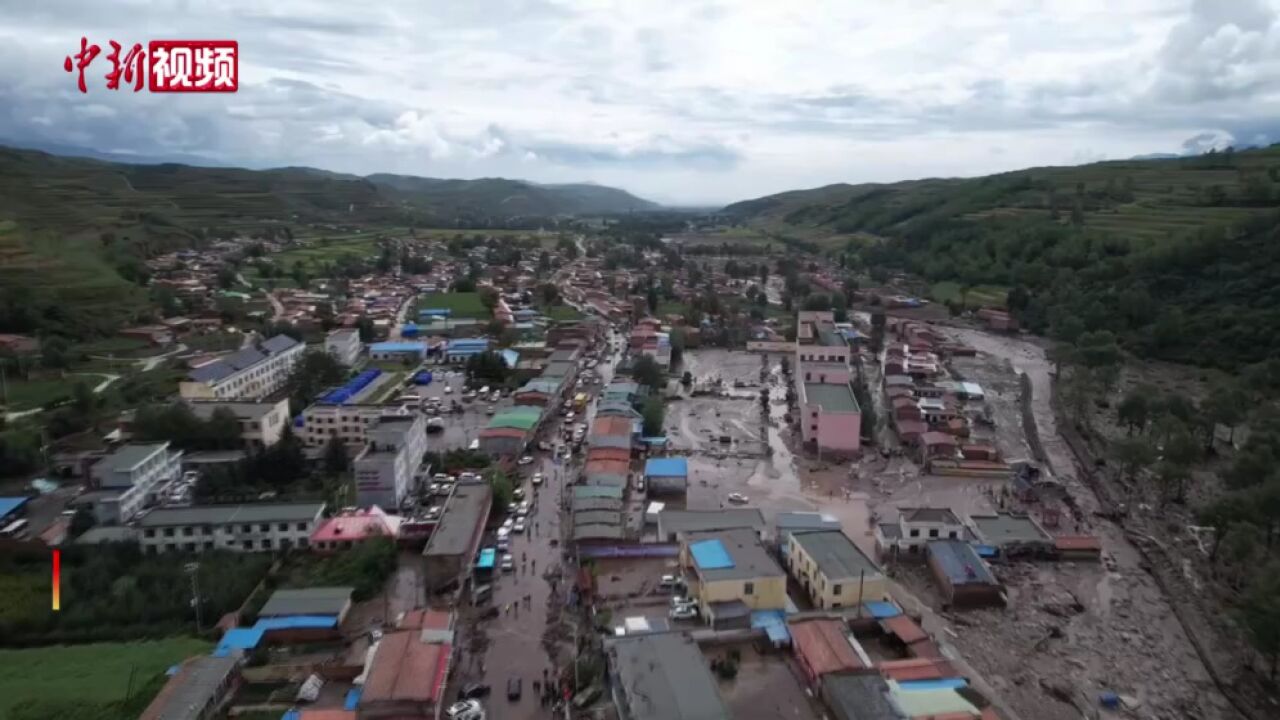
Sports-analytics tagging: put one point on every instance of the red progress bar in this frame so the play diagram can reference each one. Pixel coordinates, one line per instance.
(57, 580)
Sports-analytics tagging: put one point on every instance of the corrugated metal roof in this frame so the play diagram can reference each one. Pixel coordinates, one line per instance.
(667, 467)
(961, 564)
(825, 645)
(710, 555)
(307, 601)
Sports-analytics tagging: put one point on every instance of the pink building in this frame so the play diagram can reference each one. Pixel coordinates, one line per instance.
(353, 526)
(830, 417)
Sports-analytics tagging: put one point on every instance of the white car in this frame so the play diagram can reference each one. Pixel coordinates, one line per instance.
(519, 527)
(684, 612)
(506, 524)
(738, 498)
(525, 460)
(447, 389)
(537, 479)
(508, 563)
(465, 710)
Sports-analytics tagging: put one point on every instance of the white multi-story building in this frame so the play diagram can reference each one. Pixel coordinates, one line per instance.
(349, 423)
(127, 481)
(915, 528)
(261, 424)
(247, 528)
(344, 345)
(384, 470)
(249, 374)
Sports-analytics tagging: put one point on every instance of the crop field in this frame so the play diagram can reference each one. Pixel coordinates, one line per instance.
(97, 673)
(975, 297)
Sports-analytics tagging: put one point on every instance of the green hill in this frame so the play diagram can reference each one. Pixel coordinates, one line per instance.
(1174, 255)
(510, 198)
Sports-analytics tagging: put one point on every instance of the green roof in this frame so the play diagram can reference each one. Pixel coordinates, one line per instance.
(831, 398)
(523, 417)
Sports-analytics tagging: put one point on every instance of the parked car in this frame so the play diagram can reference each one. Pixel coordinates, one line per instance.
(519, 527)
(738, 498)
(525, 460)
(670, 581)
(472, 691)
(537, 479)
(518, 493)
(677, 600)
(513, 689)
(684, 612)
(490, 410)
(508, 563)
(544, 446)
(465, 710)
(490, 613)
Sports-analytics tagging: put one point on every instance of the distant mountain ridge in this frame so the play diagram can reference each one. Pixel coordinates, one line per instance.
(511, 197)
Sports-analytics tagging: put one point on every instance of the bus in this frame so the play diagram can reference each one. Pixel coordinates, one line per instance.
(14, 529)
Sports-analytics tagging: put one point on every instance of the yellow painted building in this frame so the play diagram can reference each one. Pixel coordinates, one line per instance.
(729, 571)
(833, 570)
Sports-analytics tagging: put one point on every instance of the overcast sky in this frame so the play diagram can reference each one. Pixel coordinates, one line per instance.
(681, 101)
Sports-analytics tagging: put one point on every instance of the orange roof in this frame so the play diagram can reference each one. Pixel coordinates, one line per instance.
(607, 453)
(611, 467)
(611, 425)
(924, 649)
(916, 669)
(1078, 542)
(405, 668)
(426, 619)
(824, 644)
(905, 628)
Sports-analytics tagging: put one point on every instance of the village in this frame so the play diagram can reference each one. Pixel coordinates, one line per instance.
(603, 497)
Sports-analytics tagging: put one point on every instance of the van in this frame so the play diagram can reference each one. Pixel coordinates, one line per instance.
(474, 445)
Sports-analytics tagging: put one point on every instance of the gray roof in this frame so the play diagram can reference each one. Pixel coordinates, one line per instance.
(664, 676)
(585, 504)
(468, 505)
(678, 521)
(597, 531)
(806, 521)
(857, 696)
(557, 369)
(106, 534)
(835, 554)
(831, 398)
(890, 531)
(190, 692)
(128, 456)
(242, 410)
(930, 515)
(307, 601)
(598, 517)
(961, 563)
(1008, 529)
(750, 559)
(235, 362)
(227, 514)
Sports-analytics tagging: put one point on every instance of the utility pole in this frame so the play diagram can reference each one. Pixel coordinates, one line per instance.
(193, 569)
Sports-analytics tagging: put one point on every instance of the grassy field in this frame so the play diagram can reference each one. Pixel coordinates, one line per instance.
(36, 393)
(214, 341)
(463, 305)
(326, 250)
(668, 307)
(977, 296)
(562, 313)
(96, 673)
(392, 384)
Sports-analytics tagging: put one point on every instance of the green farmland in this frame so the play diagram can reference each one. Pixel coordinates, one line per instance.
(463, 304)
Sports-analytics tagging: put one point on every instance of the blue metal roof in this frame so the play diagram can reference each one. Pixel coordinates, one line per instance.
(392, 346)
(711, 555)
(11, 504)
(435, 312)
(352, 700)
(774, 623)
(939, 684)
(248, 638)
(960, 562)
(460, 343)
(666, 467)
(487, 558)
(880, 610)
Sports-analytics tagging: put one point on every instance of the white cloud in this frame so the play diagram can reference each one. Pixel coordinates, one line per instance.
(694, 101)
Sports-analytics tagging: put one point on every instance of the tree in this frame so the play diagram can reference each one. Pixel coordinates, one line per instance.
(646, 372)
(503, 491)
(651, 299)
(1171, 480)
(316, 371)
(653, 412)
(686, 379)
(549, 292)
(1259, 611)
(226, 277)
(1225, 406)
(336, 460)
(488, 366)
(364, 326)
(55, 353)
(877, 331)
(489, 298)
(1135, 409)
(1134, 455)
(544, 263)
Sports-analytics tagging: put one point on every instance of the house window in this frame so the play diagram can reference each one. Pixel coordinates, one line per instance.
(151, 533)
(835, 589)
(246, 544)
(283, 527)
(188, 531)
(246, 528)
(915, 533)
(933, 532)
(168, 532)
(749, 588)
(266, 544)
(808, 377)
(953, 535)
(265, 527)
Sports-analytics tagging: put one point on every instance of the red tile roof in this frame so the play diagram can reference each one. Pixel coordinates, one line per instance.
(824, 646)
(916, 669)
(1078, 542)
(905, 628)
(405, 668)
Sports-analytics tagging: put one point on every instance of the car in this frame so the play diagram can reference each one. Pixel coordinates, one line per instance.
(472, 691)
(519, 527)
(569, 417)
(506, 524)
(508, 563)
(525, 460)
(513, 689)
(490, 410)
(738, 498)
(544, 446)
(448, 389)
(677, 600)
(536, 479)
(440, 477)
(684, 612)
(512, 507)
(670, 581)
(518, 493)
(465, 710)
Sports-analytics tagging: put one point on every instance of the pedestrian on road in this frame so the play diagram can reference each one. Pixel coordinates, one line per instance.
(533, 565)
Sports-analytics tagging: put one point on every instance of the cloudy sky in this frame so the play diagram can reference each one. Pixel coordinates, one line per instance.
(681, 101)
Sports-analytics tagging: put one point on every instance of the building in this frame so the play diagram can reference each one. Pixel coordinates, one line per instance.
(510, 431)
(914, 528)
(452, 548)
(1013, 534)
(350, 527)
(733, 575)
(830, 418)
(785, 523)
(384, 471)
(261, 424)
(460, 350)
(349, 422)
(12, 508)
(666, 476)
(819, 340)
(832, 570)
(332, 602)
(19, 344)
(406, 677)
(859, 696)
(824, 645)
(128, 480)
(965, 580)
(404, 351)
(663, 676)
(196, 691)
(344, 345)
(249, 528)
(248, 374)
(673, 525)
